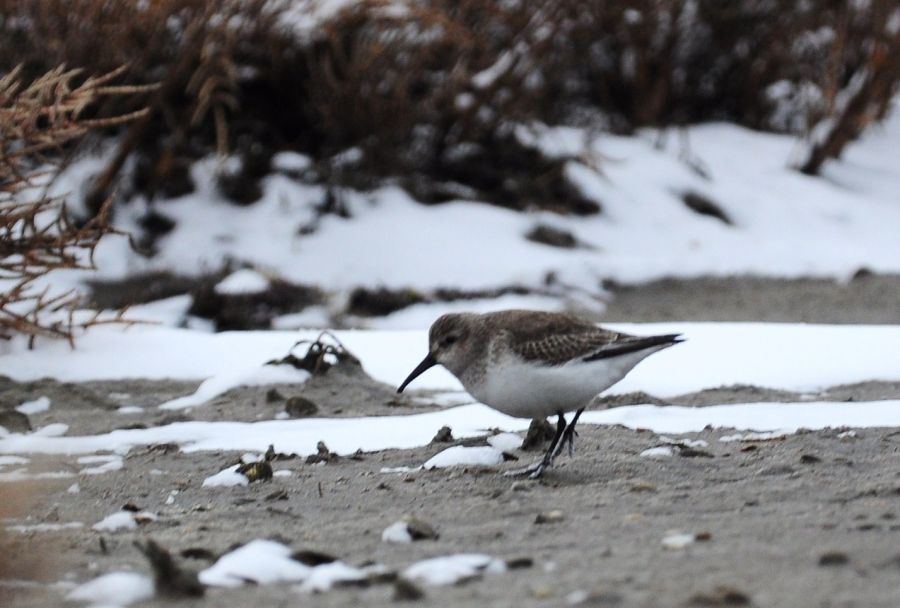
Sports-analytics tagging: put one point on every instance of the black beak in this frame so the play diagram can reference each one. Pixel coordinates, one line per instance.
(427, 362)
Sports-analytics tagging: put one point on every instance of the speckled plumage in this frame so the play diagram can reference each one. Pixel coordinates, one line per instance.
(533, 364)
(524, 355)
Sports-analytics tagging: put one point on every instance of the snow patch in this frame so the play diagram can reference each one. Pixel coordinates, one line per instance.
(460, 455)
(114, 589)
(41, 404)
(226, 478)
(452, 569)
(256, 376)
(242, 282)
(397, 532)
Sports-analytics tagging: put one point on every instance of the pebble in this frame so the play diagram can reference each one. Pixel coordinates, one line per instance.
(549, 517)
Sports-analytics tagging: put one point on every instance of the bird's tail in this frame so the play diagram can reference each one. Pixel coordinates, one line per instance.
(637, 343)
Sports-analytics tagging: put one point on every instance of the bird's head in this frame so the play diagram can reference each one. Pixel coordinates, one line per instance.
(449, 344)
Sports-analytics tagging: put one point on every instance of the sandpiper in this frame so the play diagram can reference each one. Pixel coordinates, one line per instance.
(532, 364)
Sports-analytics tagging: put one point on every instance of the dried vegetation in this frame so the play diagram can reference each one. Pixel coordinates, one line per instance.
(37, 233)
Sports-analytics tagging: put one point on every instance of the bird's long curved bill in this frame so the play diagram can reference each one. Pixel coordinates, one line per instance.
(428, 362)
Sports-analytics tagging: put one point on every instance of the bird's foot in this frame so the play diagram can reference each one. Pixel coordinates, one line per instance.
(569, 440)
(533, 470)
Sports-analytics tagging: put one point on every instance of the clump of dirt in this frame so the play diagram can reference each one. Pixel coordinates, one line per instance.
(379, 302)
(252, 310)
(702, 204)
(138, 289)
(554, 237)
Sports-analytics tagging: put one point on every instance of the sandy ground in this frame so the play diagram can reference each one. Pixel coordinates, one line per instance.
(812, 519)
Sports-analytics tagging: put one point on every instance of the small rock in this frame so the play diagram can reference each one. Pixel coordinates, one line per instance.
(170, 579)
(702, 537)
(539, 432)
(14, 422)
(300, 407)
(256, 471)
(833, 558)
(406, 590)
(642, 486)
(721, 596)
(323, 454)
(542, 593)
(519, 563)
(312, 558)
(678, 541)
(521, 486)
(593, 598)
(554, 237)
(444, 435)
(419, 529)
(549, 517)
(809, 459)
(272, 395)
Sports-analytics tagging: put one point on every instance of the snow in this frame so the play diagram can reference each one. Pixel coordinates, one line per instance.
(226, 478)
(325, 576)
(56, 429)
(41, 404)
(108, 464)
(252, 376)
(662, 451)
(114, 589)
(785, 223)
(44, 527)
(505, 442)
(260, 561)
(346, 435)
(8, 460)
(397, 532)
(795, 357)
(676, 541)
(451, 569)
(120, 520)
(464, 456)
(242, 282)
(753, 436)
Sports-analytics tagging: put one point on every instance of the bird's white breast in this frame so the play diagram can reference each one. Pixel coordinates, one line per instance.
(528, 390)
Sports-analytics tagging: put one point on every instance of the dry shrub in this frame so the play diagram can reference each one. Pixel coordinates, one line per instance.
(213, 59)
(429, 91)
(37, 234)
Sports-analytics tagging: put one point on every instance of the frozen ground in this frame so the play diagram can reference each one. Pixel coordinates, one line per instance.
(767, 481)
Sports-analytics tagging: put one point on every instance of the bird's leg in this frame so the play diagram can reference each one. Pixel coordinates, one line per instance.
(570, 434)
(534, 470)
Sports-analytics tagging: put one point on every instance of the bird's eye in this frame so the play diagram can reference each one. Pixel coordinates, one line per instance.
(448, 341)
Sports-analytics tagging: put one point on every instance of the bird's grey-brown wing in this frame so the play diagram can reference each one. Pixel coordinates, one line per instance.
(558, 349)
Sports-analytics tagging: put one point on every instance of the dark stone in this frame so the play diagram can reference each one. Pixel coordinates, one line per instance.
(721, 596)
(170, 580)
(539, 432)
(701, 204)
(833, 558)
(444, 435)
(405, 591)
(273, 395)
(300, 407)
(312, 558)
(256, 471)
(554, 237)
(14, 422)
(420, 530)
(379, 302)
